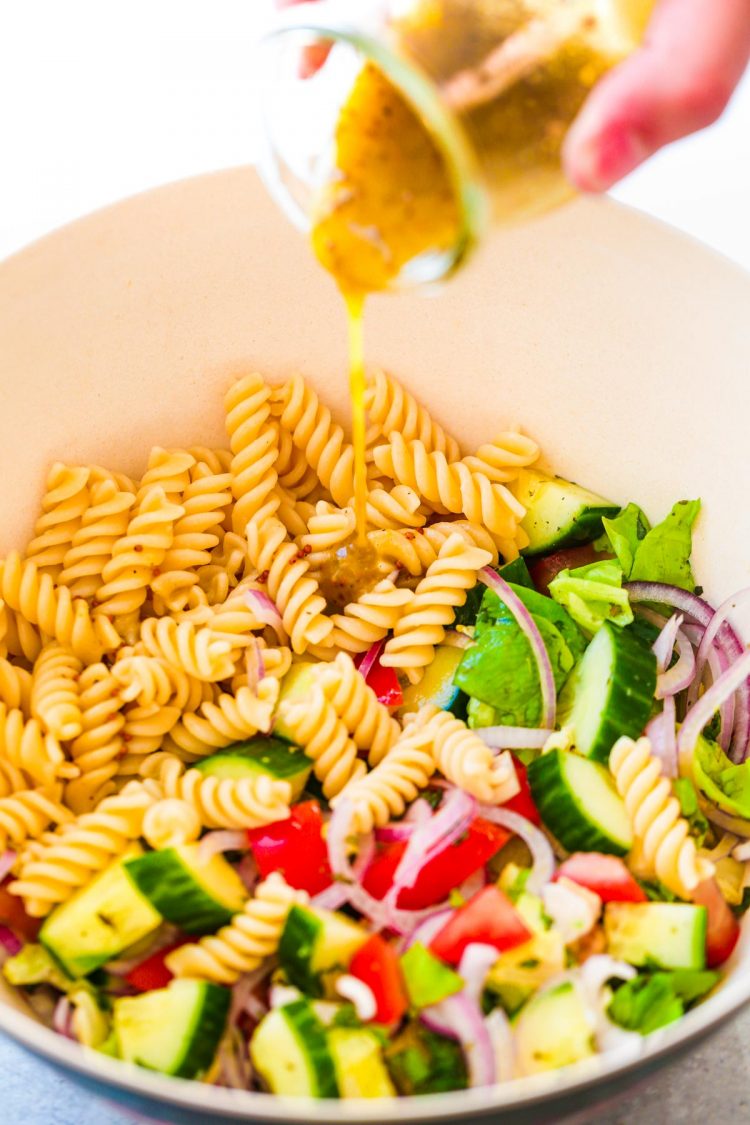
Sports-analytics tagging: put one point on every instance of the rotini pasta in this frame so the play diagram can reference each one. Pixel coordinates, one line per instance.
(63, 506)
(369, 620)
(15, 687)
(463, 758)
(383, 793)
(315, 726)
(502, 459)
(318, 436)
(27, 814)
(663, 845)
(24, 745)
(171, 823)
(55, 692)
(196, 651)
(143, 733)
(397, 507)
(169, 470)
(253, 439)
(149, 680)
(392, 409)
(413, 551)
(246, 942)
(368, 722)
(327, 530)
(232, 718)
(98, 748)
(103, 523)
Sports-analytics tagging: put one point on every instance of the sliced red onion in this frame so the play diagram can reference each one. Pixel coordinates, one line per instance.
(679, 677)
(370, 659)
(662, 734)
(246, 986)
(332, 898)
(418, 812)
(663, 646)
(699, 715)
(266, 612)
(9, 941)
(235, 1071)
(459, 1017)
(62, 1018)
(592, 978)
(255, 667)
(165, 935)
(358, 993)
(503, 1044)
(542, 856)
(429, 929)
(714, 632)
(432, 838)
(214, 843)
(528, 627)
(476, 961)
(247, 869)
(513, 738)
(395, 833)
(365, 856)
(7, 859)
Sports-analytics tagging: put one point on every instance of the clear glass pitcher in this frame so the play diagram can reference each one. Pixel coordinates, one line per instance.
(426, 120)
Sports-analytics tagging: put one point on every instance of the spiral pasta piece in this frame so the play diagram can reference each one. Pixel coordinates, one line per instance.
(12, 779)
(196, 651)
(149, 680)
(288, 583)
(143, 733)
(62, 861)
(502, 459)
(23, 744)
(169, 470)
(369, 620)
(392, 409)
(98, 748)
(663, 846)
(103, 523)
(296, 476)
(26, 814)
(383, 793)
(439, 593)
(15, 687)
(450, 486)
(318, 436)
(221, 802)
(55, 692)
(20, 638)
(463, 758)
(232, 718)
(263, 662)
(52, 610)
(327, 530)
(65, 501)
(314, 725)
(414, 550)
(171, 823)
(397, 507)
(243, 945)
(368, 722)
(253, 440)
(216, 461)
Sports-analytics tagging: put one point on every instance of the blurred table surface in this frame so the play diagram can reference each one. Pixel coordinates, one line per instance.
(711, 1086)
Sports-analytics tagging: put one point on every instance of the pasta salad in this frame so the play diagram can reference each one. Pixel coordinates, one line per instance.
(285, 811)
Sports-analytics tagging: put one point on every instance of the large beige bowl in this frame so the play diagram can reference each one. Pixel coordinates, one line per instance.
(618, 344)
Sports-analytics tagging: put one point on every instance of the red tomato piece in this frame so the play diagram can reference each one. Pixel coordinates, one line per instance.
(437, 878)
(384, 682)
(152, 973)
(13, 915)
(523, 802)
(489, 918)
(377, 964)
(723, 929)
(296, 848)
(543, 571)
(605, 875)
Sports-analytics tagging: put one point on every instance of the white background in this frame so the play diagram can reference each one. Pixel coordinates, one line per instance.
(103, 98)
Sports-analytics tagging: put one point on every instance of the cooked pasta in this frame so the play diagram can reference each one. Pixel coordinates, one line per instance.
(327, 530)
(12, 778)
(397, 507)
(392, 409)
(500, 460)
(296, 476)
(196, 651)
(318, 436)
(463, 758)
(315, 726)
(383, 793)
(55, 692)
(253, 439)
(15, 686)
(143, 733)
(63, 506)
(169, 470)
(26, 814)
(663, 846)
(171, 823)
(368, 722)
(369, 620)
(232, 718)
(436, 598)
(103, 523)
(246, 942)
(413, 551)
(24, 745)
(98, 748)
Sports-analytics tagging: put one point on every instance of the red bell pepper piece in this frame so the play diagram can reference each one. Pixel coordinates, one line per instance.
(152, 973)
(488, 918)
(723, 929)
(296, 848)
(605, 875)
(13, 915)
(523, 802)
(440, 875)
(384, 682)
(377, 964)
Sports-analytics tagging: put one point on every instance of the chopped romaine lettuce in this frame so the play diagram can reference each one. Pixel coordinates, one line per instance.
(652, 1001)
(494, 611)
(724, 783)
(664, 554)
(624, 534)
(517, 573)
(593, 594)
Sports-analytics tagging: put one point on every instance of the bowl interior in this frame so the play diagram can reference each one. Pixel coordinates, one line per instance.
(619, 345)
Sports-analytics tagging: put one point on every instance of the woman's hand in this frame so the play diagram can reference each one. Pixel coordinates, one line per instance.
(680, 81)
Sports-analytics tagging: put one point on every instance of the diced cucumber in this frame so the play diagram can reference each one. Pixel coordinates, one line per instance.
(290, 1051)
(519, 973)
(295, 687)
(175, 1030)
(358, 1061)
(428, 980)
(670, 935)
(272, 756)
(422, 1062)
(558, 512)
(610, 693)
(579, 804)
(198, 895)
(314, 943)
(553, 1030)
(436, 685)
(100, 921)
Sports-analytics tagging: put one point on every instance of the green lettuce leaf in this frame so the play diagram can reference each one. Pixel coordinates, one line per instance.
(624, 534)
(493, 611)
(593, 594)
(649, 1002)
(664, 554)
(724, 783)
(687, 795)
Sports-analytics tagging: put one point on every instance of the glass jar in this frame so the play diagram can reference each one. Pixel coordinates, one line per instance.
(426, 120)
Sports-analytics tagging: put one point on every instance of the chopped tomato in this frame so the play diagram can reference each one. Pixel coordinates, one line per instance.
(723, 930)
(13, 915)
(489, 918)
(440, 875)
(377, 964)
(152, 973)
(384, 682)
(605, 875)
(295, 847)
(542, 571)
(523, 802)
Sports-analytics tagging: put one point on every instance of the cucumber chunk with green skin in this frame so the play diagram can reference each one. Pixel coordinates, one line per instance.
(100, 921)
(200, 896)
(667, 935)
(436, 685)
(579, 804)
(422, 1062)
(427, 979)
(558, 512)
(175, 1030)
(271, 756)
(358, 1061)
(552, 1030)
(610, 693)
(295, 687)
(313, 943)
(291, 1053)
